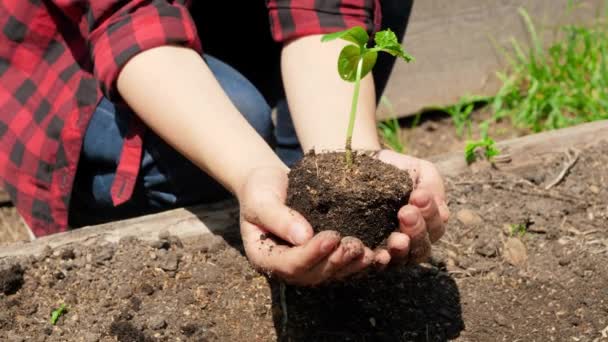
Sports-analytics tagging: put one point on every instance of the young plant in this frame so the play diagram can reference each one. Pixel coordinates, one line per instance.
(58, 313)
(486, 143)
(356, 60)
(518, 230)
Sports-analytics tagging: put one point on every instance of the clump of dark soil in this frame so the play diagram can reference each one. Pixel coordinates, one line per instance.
(126, 332)
(360, 201)
(11, 279)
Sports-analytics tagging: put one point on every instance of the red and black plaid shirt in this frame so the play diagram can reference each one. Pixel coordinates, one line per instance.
(59, 57)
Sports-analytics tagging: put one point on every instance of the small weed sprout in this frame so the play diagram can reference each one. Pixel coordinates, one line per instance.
(487, 144)
(518, 230)
(356, 60)
(461, 112)
(58, 313)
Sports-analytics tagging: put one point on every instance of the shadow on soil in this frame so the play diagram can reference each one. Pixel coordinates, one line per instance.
(407, 304)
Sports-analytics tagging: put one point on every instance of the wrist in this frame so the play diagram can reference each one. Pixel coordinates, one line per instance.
(259, 171)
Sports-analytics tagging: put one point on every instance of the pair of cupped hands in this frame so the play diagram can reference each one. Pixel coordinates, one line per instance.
(308, 259)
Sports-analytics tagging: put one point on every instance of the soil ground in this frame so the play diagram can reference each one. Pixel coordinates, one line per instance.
(518, 263)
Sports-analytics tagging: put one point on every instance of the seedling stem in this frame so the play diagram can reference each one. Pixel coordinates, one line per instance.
(353, 115)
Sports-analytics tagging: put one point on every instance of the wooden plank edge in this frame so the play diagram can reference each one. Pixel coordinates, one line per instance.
(529, 149)
(184, 223)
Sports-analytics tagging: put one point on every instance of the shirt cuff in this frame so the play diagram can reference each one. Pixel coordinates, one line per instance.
(297, 18)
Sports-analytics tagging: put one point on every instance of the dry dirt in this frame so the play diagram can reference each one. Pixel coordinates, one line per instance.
(518, 263)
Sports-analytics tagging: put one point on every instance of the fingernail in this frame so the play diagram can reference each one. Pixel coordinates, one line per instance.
(327, 246)
(298, 234)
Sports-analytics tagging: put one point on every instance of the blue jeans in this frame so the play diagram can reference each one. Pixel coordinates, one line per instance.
(167, 179)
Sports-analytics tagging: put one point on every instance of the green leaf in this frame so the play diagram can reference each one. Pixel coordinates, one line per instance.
(57, 313)
(348, 60)
(357, 35)
(387, 41)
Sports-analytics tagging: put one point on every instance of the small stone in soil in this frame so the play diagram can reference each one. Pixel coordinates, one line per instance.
(160, 244)
(486, 248)
(124, 292)
(67, 254)
(189, 329)
(11, 279)
(147, 289)
(157, 323)
(468, 218)
(170, 263)
(104, 254)
(515, 252)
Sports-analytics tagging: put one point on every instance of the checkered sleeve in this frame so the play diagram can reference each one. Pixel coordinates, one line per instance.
(120, 29)
(290, 19)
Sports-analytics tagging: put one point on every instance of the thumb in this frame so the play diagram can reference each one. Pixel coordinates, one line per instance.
(265, 207)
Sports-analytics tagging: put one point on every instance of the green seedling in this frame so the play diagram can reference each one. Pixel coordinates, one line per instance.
(518, 229)
(390, 130)
(487, 144)
(58, 313)
(356, 60)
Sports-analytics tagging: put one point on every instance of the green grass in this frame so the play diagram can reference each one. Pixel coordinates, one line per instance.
(562, 86)
(390, 130)
(543, 89)
(461, 112)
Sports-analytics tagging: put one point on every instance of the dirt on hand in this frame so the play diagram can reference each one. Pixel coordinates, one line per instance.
(360, 201)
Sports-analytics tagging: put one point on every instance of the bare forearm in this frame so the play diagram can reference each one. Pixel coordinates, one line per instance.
(320, 100)
(175, 94)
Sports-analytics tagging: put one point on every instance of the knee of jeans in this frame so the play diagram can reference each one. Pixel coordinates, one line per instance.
(244, 95)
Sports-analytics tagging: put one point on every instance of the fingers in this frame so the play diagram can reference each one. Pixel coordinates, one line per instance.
(398, 245)
(357, 265)
(343, 258)
(429, 210)
(289, 263)
(413, 224)
(381, 259)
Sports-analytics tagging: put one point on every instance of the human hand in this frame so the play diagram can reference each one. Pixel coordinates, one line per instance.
(422, 221)
(300, 258)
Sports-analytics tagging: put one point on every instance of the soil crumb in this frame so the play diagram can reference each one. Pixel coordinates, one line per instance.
(11, 279)
(362, 201)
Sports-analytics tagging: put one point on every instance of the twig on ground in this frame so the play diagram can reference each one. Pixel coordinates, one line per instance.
(496, 181)
(573, 156)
